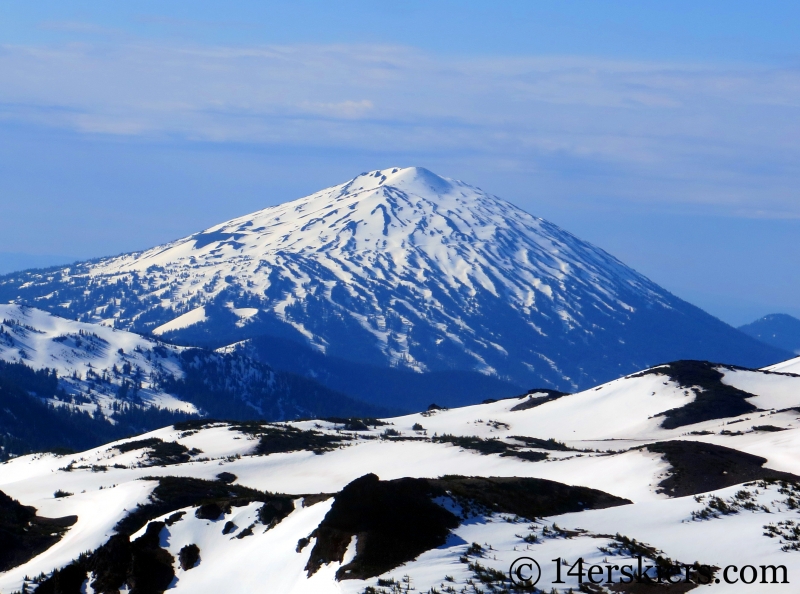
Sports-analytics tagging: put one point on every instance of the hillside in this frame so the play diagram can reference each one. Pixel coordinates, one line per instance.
(779, 330)
(399, 268)
(439, 501)
(402, 388)
(73, 384)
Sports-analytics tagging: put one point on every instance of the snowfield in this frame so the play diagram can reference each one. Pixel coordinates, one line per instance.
(718, 491)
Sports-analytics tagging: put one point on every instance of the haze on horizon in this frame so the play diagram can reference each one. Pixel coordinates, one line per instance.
(669, 138)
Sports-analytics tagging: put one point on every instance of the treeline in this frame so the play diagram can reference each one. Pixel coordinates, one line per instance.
(30, 424)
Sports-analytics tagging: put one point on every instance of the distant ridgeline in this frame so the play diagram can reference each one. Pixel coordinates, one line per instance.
(66, 384)
(31, 422)
(779, 330)
(398, 269)
(37, 414)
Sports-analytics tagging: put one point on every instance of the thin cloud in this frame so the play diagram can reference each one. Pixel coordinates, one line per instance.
(77, 27)
(712, 133)
(192, 23)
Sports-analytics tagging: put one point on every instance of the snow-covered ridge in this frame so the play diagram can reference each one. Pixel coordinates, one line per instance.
(94, 363)
(106, 371)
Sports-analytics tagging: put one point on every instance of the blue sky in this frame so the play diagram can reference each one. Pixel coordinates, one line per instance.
(668, 135)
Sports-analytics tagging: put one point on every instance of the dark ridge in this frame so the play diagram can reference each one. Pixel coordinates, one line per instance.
(166, 453)
(245, 533)
(532, 402)
(354, 424)
(713, 399)
(174, 493)
(195, 424)
(530, 392)
(23, 534)
(279, 438)
(468, 442)
(142, 564)
(189, 556)
(396, 521)
(545, 444)
(137, 445)
(526, 497)
(701, 467)
(254, 428)
(275, 440)
(159, 453)
(309, 500)
(490, 446)
(525, 395)
(525, 455)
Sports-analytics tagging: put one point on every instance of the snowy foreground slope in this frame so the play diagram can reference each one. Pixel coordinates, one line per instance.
(691, 461)
(400, 267)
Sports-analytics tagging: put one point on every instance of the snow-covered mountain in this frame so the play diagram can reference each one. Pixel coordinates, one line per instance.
(404, 268)
(690, 462)
(116, 375)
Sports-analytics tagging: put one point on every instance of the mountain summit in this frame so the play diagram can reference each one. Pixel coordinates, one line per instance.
(400, 267)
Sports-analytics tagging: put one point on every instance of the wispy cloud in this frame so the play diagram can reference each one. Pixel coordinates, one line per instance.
(716, 131)
(183, 23)
(78, 27)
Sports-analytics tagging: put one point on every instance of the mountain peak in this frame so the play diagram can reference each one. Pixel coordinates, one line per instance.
(400, 267)
(414, 179)
(395, 214)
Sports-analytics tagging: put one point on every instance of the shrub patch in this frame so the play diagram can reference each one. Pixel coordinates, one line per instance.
(189, 556)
